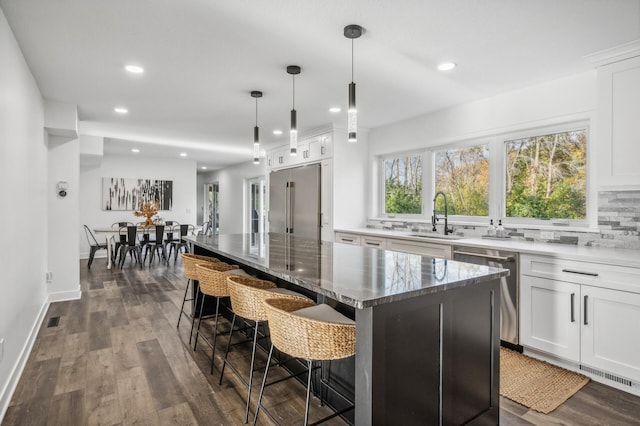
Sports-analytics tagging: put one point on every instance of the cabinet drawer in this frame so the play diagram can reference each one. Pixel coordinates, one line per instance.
(348, 238)
(596, 274)
(425, 249)
(379, 243)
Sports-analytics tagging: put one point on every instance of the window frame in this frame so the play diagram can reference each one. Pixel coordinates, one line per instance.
(536, 132)
(422, 153)
(459, 145)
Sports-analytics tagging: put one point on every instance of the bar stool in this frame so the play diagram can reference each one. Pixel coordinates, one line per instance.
(189, 264)
(312, 332)
(212, 281)
(247, 302)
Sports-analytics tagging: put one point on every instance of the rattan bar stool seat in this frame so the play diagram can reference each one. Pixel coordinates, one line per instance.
(212, 280)
(311, 332)
(189, 264)
(247, 301)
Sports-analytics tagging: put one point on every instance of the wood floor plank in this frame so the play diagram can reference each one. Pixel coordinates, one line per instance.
(134, 395)
(72, 375)
(163, 384)
(78, 319)
(99, 331)
(179, 415)
(124, 349)
(116, 311)
(34, 392)
(67, 409)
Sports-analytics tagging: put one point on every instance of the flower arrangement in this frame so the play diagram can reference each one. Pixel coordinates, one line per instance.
(148, 210)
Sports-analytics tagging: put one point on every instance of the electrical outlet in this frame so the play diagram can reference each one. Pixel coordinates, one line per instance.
(1, 349)
(546, 235)
(49, 277)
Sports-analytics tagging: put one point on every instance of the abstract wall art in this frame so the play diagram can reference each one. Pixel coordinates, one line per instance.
(129, 194)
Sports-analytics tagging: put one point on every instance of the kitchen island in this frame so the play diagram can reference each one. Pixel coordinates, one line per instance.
(427, 329)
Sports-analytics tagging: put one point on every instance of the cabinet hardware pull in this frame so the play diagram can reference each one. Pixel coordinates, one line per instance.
(571, 271)
(486, 256)
(585, 310)
(349, 240)
(573, 313)
(372, 244)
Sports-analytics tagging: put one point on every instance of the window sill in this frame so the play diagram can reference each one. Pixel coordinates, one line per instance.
(530, 226)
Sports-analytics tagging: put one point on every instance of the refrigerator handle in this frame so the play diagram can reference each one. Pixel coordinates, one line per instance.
(292, 195)
(287, 208)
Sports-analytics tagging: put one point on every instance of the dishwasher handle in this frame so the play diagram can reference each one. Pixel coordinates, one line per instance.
(485, 256)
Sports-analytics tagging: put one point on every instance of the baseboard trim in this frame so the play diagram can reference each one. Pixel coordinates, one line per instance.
(61, 296)
(21, 362)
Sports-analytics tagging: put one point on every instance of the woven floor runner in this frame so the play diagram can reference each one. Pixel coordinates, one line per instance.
(536, 384)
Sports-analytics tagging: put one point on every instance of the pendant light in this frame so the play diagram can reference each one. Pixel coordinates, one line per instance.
(256, 131)
(293, 132)
(352, 32)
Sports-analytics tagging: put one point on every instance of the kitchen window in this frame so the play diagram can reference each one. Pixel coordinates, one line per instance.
(462, 174)
(546, 176)
(536, 177)
(403, 185)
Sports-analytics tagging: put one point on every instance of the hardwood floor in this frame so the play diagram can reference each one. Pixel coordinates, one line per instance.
(116, 358)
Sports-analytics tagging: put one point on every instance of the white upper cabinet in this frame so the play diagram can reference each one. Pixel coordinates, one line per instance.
(617, 141)
(309, 150)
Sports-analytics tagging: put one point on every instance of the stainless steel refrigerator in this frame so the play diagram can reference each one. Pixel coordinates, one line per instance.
(294, 201)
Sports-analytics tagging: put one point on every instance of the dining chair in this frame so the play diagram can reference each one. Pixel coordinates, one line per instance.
(170, 229)
(122, 239)
(146, 234)
(156, 245)
(180, 242)
(93, 244)
(132, 244)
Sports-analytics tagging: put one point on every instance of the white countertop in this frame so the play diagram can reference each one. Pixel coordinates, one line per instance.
(609, 256)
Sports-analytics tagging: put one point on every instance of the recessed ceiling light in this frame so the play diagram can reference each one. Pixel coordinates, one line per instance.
(277, 132)
(183, 154)
(335, 109)
(136, 150)
(446, 66)
(121, 110)
(134, 69)
(204, 167)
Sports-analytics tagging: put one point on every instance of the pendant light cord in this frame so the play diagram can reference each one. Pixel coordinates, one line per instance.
(256, 112)
(352, 60)
(293, 102)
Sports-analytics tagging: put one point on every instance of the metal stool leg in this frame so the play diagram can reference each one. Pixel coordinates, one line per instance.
(195, 345)
(306, 407)
(184, 299)
(264, 381)
(226, 352)
(253, 360)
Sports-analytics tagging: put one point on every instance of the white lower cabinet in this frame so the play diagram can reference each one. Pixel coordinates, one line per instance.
(379, 243)
(550, 316)
(588, 324)
(611, 331)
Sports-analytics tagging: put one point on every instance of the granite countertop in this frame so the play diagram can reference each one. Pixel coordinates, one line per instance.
(609, 256)
(356, 276)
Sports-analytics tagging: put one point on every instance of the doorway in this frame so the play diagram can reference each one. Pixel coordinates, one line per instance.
(211, 208)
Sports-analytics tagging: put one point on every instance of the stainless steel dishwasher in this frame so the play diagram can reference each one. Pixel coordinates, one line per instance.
(509, 312)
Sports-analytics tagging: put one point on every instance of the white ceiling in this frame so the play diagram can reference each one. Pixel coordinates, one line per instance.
(203, 57)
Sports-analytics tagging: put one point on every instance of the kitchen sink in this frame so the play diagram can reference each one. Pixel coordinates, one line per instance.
(435, 236)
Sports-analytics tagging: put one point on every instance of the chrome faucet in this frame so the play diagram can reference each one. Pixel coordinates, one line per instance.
(435, 217)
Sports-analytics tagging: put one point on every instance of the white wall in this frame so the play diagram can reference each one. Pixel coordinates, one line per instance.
(64, 216)
(181, 171)
(563, 100)
(232, 181)
(23, 213)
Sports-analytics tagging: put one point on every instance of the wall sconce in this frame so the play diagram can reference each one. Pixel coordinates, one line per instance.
(61, 188)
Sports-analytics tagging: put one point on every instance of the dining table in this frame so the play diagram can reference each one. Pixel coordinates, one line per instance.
(111, 233)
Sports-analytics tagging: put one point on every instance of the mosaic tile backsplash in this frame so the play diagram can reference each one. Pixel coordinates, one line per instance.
(618, 224)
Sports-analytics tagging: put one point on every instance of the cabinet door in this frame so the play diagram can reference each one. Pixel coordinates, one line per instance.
(611, 331)
(618, 131)
(435, 250)
(320, 148)
(550, 316)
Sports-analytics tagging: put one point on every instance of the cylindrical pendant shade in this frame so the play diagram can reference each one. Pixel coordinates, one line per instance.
(256, 153)
(352, 117)
(256, 135)
(293, 137)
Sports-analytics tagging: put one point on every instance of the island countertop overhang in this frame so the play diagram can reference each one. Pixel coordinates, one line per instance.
(356, 276)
